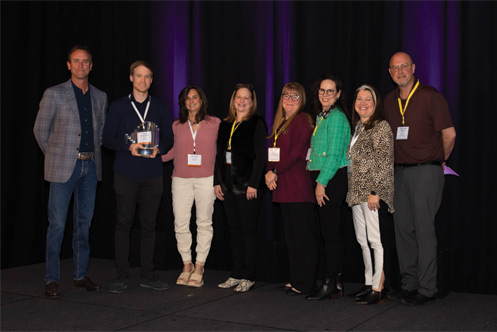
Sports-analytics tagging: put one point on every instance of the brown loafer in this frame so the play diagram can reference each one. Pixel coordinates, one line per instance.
(52, 289)
(85, 284)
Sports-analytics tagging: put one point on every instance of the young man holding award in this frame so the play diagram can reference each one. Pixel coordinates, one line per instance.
(131, 130)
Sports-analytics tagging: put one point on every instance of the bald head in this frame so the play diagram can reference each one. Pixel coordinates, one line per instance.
(401, 57)
(402, 70)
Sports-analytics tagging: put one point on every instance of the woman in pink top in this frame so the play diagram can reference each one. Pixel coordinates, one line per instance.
(194, 154)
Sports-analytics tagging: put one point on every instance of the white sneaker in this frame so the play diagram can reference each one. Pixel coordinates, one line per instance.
(244, 285)
(231, 282)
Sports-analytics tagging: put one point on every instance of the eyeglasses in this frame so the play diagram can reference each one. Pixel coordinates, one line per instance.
(402, 67)
(292, 97)
(328, 92)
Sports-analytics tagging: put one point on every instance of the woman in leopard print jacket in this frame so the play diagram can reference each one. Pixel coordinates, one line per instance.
(370, 176)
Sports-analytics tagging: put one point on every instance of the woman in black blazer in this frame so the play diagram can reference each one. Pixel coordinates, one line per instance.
(239, 181)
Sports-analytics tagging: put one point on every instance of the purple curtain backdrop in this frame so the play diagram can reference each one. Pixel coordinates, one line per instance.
(427, 30)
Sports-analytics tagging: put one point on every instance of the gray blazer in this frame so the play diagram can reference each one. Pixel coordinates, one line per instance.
(57, 130)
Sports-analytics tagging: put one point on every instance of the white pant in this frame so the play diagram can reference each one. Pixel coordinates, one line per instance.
(367, 229)
(185, 191)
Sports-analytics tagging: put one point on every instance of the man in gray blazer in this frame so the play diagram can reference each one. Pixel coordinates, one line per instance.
(68, 129)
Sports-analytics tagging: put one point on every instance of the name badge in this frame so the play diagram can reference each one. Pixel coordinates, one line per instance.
(144, 137)
(195, 160)
(349, 166)
(228, 157)
(402, 133)
(308, 156)
(273, 154)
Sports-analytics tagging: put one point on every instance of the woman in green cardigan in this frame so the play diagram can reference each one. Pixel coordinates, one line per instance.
(328, 166)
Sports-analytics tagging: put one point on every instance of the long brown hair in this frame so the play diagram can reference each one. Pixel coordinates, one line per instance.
(280, 112)
(232, 111)
(183, 111)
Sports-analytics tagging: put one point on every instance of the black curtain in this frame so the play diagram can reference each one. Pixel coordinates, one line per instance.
(217, 44)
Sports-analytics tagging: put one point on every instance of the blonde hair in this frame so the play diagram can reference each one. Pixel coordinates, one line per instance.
(232, 111)
(280, 113)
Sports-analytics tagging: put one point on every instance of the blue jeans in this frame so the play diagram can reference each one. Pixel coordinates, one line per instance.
(83, 183)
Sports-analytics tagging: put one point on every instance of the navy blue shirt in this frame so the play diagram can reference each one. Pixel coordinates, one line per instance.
(85, 118)
(121, 120)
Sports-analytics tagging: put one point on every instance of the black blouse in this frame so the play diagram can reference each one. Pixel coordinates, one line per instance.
(248, 156)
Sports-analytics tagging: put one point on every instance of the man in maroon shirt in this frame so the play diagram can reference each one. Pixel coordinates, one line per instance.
(424, 138)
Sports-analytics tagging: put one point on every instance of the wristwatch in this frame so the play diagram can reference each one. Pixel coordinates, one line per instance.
(373, 193)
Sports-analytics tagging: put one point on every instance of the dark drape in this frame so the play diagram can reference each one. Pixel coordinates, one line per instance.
(267, 43)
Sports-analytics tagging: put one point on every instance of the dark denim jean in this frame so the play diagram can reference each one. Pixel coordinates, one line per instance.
(83, 184)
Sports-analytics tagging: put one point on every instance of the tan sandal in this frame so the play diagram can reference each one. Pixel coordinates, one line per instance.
(196, 280)
(184, 277)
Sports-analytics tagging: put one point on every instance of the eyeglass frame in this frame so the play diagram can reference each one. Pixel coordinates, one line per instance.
(328, 92)
(403, 67)
(292, 97)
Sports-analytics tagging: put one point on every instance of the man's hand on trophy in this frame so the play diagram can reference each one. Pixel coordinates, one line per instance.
(154, 153)
(134, 149)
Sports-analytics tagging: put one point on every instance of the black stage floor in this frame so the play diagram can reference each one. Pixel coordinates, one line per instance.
(264, 308)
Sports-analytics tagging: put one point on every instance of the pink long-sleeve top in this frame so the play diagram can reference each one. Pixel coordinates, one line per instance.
(205, 145)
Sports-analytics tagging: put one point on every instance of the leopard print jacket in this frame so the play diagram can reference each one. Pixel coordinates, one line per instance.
(372, 165)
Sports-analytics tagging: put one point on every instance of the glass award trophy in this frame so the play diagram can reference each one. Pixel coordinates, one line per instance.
(146, 134)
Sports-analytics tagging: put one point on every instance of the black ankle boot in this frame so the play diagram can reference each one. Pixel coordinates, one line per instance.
(338, 290)
(324, 291)
(327, 289)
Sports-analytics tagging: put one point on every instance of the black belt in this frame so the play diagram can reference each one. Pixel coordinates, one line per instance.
(85, 155)
(436, 163)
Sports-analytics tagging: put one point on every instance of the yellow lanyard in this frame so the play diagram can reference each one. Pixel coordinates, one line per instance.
(233, 128)
(316, 128)
(402, 111)
(277, 133)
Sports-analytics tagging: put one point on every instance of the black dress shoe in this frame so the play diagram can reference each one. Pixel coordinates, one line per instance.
(85, 284)
(293, 291)
(52, 289)
(393, 294)
(361, 292)
(418, 299)
(371, 297)
(404, 294)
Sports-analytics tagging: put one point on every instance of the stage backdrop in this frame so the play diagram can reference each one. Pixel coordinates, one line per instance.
(266, 43)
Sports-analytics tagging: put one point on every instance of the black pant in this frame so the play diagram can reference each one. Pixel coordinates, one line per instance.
(147, 193)
(300, 224)
(242, 215)
(329, 217)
